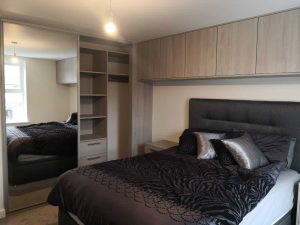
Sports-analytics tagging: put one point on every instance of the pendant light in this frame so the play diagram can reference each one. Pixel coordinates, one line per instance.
(14, 59)
(110, 26)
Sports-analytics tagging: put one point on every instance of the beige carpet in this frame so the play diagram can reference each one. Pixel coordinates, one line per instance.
(39, 215)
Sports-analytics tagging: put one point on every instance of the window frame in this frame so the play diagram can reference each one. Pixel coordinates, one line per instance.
(22, 90)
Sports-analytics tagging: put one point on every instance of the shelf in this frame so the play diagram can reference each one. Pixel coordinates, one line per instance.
(91, 116)
(92, 72)
(119, 74)
(93, 95)
(86, 137)
(123, 78)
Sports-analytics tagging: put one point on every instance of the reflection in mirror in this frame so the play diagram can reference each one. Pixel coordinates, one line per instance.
(40, 73)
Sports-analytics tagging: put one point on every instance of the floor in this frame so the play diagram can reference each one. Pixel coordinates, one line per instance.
(38, 215)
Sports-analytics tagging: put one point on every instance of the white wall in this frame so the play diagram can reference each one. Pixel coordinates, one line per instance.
(170, 99)
(47, 100)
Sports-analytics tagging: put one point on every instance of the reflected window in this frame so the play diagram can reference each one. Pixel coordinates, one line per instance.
(15, 93)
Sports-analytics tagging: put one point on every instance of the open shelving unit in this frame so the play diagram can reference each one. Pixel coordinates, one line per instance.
(118, 66)
(93, 106)
(97, 67)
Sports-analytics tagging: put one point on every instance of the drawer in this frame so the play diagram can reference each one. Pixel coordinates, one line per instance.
(92, 147)
(92, 159)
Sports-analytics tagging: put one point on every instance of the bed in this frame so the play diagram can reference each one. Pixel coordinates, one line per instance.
(40, 151)
(159, 188)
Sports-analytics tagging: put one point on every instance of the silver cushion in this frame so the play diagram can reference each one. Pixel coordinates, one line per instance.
(245, 152)
(205, 149)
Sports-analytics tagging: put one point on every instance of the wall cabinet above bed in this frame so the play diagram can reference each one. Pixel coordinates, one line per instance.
(279, 43)
(236, 52)
(266, 45)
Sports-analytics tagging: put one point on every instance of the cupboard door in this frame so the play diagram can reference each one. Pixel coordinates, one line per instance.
(201, 52)
(154, 59)
(142, 60)
(278, 48)
(236, 51)
(172, 53)
(66, 71)
(148, 59)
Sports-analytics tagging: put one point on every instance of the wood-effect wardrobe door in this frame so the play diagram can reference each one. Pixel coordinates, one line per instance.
(142, 58)
(236, 50)
(278, 49)
(148, 54)
(172, 56)
(201, 52)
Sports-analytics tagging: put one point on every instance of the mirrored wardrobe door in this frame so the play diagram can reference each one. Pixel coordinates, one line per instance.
(40, 82)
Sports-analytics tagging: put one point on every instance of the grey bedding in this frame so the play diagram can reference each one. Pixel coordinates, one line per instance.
(51, 138)
(163, 188)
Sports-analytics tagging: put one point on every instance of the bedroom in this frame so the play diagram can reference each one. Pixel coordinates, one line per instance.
(247, 51)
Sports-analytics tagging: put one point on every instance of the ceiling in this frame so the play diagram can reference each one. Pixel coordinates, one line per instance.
(138, 20)
(38, 43)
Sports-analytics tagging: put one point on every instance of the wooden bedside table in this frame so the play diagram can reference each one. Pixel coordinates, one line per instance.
(159, 145)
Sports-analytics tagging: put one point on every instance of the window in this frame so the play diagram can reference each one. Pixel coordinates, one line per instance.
(15, 93)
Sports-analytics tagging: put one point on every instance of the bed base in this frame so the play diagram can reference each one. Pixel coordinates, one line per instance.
(64, 218)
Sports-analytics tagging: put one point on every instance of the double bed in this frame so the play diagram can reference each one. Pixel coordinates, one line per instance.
(165, 188)
(40, 151)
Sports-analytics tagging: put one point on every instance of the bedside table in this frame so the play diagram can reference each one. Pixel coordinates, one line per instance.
(159, 145)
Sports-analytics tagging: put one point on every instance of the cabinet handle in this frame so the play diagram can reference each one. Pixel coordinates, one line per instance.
(93, 158)
(95, 143)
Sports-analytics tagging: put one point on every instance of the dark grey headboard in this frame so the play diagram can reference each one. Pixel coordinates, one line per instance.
(262, 116)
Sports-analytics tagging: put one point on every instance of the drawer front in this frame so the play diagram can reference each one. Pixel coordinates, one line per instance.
(92, 159)
(93, 147)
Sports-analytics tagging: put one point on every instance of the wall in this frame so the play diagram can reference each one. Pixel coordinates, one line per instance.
(47, 100)
(170, 99)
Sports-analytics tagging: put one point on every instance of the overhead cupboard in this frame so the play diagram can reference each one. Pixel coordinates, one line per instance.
(266, 45)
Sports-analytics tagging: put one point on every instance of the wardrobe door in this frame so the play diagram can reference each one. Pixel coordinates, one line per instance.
(279, 43)
(148, 59)
(142, 58)
(172, 53)
(201, 52)
(236, 51)
(154, 59)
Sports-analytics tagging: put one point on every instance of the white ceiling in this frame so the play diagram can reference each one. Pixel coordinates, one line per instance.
(138, 19)
(38, 43)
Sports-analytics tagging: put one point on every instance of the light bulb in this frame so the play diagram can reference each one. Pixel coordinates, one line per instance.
(110, 28)
(14, 59)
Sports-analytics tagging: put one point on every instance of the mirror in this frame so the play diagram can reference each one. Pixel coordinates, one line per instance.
(40, 74)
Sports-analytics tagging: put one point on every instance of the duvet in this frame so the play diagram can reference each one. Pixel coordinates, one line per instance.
(162, 188)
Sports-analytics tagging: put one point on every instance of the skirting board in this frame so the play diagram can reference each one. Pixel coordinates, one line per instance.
(2, 213)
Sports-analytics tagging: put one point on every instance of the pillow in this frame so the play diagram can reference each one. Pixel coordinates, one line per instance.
(204, 148)
(223, 154)
(188, 142)
(291, 152)
(275, 147)
(72, 119)
(245, 152)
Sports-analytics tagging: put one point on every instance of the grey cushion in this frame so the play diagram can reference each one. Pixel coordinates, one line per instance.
(290, 156)
(245, 152)
(204, 148)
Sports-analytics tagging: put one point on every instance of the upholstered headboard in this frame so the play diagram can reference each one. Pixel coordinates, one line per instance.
(262, 116)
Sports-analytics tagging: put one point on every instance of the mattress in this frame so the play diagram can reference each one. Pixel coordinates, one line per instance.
(267, 211)
(30, 168)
